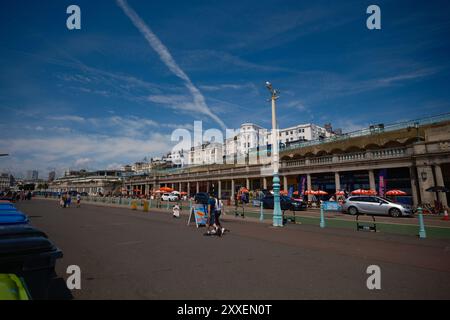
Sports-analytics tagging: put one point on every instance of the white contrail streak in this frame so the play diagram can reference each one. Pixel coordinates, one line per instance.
(168, 60)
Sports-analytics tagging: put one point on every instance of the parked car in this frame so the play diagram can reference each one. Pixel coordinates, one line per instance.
(201, 197)
(374, 205)
(169, 197)
(286, 203)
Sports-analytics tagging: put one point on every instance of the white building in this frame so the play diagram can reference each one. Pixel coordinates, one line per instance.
(94, 183)
(250, 136)
(236, 148)
(178, 157)
(207, 153)
(5, 181)
(301, 132)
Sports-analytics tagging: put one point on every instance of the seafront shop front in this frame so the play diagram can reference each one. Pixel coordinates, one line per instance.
(380, 180)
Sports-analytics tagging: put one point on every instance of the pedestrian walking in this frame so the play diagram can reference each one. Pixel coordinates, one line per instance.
(176, 211)
(213, 226)
(63, 201)
(218, 213)
(78, 200)
(211, 215)
(69, 200)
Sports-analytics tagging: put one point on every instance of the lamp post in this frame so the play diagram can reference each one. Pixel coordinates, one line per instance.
(416, 126)
(277, 216)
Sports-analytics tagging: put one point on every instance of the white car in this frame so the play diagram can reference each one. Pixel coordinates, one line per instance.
(169, 197)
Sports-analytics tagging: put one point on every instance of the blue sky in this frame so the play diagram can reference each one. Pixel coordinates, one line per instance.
(104, 95)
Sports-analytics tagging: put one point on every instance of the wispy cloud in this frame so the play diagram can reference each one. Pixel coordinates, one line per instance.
(408, 76)
(169, 61)
(67, 118)
(228, 86)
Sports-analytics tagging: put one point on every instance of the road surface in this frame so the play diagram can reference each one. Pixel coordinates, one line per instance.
(125, 254)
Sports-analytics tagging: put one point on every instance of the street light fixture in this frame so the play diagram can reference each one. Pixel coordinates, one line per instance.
(416, 126)
(277, 216)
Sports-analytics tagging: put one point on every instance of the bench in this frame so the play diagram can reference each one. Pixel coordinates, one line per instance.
(366, 226)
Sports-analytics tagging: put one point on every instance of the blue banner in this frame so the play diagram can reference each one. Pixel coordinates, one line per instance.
(291, 191)
(331, 206)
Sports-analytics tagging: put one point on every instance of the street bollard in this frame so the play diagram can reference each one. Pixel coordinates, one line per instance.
(322, 217)
(168, 205)
(133, 205)
(145, 206)
(261, 213)
(422, 232)
(150, 203)
(190, 206)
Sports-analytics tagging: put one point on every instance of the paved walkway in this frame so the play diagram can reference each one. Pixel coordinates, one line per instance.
(435, 225)
(138, 255)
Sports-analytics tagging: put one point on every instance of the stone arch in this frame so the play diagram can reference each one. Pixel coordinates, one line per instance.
(336, 151)
(372, 146)
(410, 141)
(392, 144)
(321, 153)
(352, 149)
(297, 156)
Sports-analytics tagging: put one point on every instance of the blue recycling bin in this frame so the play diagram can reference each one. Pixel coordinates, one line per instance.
(9, 217)
(7, 206)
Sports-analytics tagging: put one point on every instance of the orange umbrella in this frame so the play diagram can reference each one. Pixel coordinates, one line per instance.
(321, 193)
(395, 193)
(283, 192)
(183, 192)
(166, 189)
(340, 193)
(364, 192)
(311, 192)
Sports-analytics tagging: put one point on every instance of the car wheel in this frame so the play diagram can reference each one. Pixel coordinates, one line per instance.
(394, 212)
(353, 211)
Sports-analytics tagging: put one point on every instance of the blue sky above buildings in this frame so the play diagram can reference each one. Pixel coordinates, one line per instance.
(102, 96)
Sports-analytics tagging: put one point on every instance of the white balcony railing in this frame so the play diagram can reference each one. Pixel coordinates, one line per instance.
(347, 157)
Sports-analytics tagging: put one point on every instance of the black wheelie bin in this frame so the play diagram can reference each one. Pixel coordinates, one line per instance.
(28, 253)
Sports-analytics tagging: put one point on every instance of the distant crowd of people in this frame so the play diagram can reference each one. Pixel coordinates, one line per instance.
(66, 200)
(16, 195)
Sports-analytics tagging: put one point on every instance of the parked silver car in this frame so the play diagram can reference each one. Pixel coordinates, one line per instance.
(374, 205)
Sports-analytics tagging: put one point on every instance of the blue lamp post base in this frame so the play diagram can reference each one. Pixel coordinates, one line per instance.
(277, 215)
